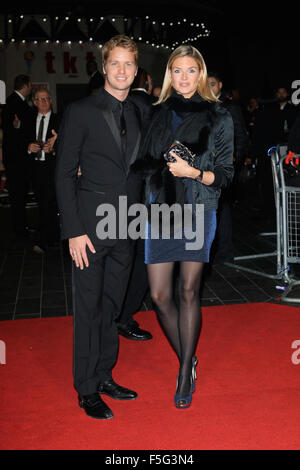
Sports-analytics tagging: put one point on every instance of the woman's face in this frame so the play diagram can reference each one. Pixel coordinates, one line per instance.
(185, 75)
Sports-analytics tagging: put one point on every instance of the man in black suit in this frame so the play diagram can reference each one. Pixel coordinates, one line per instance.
(42, 130)
(96, 79)
(15, 158)
(101, 135)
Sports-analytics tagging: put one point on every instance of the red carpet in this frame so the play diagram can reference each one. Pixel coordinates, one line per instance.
(247, 392)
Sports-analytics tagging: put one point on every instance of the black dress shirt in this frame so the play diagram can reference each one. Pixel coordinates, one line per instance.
(130, 116)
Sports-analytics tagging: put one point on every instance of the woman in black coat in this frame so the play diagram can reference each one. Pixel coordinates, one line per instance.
(189, 112)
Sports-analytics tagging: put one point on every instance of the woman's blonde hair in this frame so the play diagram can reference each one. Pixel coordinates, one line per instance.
(203, 88)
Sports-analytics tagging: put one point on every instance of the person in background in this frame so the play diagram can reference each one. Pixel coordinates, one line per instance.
(16, 161)
(140, 91)
(42, 129)
(273, 122)
(96, 79)
(156, 92)
(250, 115)
(223, 247)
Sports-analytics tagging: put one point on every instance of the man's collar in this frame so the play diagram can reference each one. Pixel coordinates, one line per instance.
(20, 95)
(139, 89)
(46, 115)
(113, 101)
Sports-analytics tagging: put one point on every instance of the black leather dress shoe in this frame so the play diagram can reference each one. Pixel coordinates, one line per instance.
(113, 390)
(95, 407)
(134, 332)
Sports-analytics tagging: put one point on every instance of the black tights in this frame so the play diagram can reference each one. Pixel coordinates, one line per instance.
(182, 328)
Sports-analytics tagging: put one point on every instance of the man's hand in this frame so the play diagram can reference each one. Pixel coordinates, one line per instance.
(16, 122)
(47, 147)
(51, 141)
(33, 147)
(77, 248)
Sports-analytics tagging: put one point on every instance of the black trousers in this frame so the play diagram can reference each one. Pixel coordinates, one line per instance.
(18, 178)
(98, 295)
(44, 188)
(137, 287)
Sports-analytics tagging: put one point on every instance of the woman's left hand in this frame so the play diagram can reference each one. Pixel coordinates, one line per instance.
(180, 168)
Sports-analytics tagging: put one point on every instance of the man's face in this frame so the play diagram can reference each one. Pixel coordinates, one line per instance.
(215, 86)
(282, 95)
(43, 102)
(119, 70)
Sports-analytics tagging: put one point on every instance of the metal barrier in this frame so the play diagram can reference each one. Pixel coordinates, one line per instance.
(287, 202)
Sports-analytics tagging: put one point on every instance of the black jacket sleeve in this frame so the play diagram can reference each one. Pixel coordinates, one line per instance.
(71, 137)
(224, 148)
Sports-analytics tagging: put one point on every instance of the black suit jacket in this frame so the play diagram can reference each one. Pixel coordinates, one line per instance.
(31, 128)
(14, 140)
(241, 138)
(89, 138)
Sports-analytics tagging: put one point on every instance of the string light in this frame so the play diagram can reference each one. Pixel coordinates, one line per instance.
(204, 33)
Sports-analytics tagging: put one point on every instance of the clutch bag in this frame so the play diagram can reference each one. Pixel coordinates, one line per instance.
(181, 151)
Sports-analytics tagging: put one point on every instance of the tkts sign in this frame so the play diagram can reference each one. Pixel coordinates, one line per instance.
(69, 62)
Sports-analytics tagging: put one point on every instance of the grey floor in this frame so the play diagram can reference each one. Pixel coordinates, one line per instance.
(35, 286)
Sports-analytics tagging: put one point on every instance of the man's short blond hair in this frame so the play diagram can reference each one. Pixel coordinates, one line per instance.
(119, 41)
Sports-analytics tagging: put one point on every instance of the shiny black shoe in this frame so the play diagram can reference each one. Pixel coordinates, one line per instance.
(113, 390)
(95, 407)
(134, 332)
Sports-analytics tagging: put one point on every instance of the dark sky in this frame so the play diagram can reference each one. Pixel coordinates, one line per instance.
(254, 44)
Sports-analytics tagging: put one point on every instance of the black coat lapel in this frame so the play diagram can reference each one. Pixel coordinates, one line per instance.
(111, 122)
(131, 158)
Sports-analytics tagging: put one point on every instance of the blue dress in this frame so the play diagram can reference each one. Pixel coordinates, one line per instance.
(163, 250)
